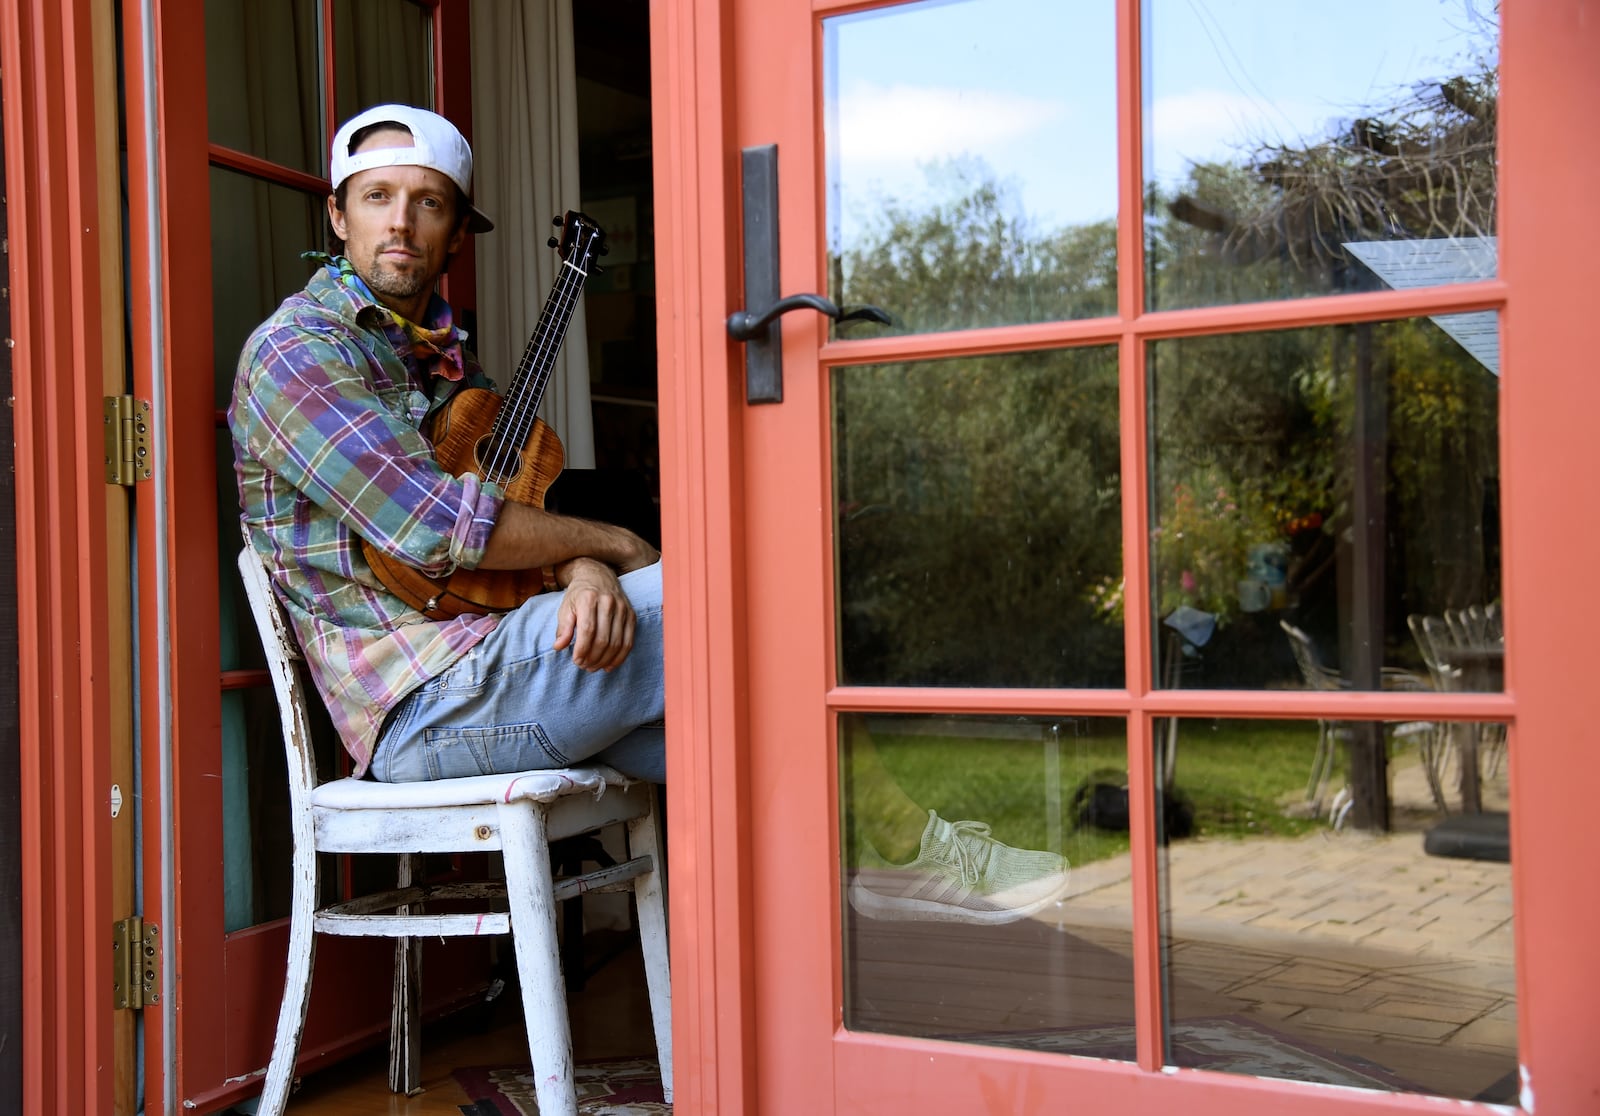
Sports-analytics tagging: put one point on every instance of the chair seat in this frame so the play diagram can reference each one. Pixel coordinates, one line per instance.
(478, 790)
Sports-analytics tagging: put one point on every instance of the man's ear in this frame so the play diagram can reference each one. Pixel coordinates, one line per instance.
(459, 237)
(336, 217)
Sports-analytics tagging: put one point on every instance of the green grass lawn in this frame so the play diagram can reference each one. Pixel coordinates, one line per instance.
(1239, 775)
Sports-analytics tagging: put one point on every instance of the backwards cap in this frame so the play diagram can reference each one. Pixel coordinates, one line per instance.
(436, 144)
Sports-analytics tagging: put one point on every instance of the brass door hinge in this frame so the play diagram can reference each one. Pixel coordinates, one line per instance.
(135, 963)
(127, 423)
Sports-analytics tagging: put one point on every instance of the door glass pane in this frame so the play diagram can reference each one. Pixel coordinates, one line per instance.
(263, 79)
(383, 54)
(948, 934)
(1326, 509)
(1296, 946)
(257, 844)
(978, 521)
(972, 161)
(1302, 149)
(258, 231)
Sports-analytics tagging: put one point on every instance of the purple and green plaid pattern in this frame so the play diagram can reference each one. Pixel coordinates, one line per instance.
(326, 413)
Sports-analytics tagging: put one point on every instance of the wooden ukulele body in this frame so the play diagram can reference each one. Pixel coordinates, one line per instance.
(460, 435)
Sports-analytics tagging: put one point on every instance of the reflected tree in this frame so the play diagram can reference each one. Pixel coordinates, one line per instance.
(979, 499)
(972, 257)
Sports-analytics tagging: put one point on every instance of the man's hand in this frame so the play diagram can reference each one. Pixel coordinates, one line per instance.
(596, 618)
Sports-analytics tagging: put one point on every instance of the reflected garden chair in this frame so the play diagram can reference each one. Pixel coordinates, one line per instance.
(1478, 627)
(1319, 676)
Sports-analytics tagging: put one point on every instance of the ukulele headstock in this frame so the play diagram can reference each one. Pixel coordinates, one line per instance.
(581, 241)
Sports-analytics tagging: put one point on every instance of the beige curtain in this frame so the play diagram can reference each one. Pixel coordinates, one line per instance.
(525, 147)
(382, 55)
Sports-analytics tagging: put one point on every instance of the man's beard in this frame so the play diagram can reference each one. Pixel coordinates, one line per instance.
(395, 282)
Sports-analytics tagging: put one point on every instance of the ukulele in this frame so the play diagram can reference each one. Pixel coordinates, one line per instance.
(503, 440)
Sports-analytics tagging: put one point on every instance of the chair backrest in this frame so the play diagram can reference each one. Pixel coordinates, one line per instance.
(1494, 629)
(1434, 640)
(1441, 635)
(283, 658)
(1317, 676)
(1469, 626)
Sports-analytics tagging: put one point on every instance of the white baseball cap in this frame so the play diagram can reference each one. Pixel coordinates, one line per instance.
(436, 144)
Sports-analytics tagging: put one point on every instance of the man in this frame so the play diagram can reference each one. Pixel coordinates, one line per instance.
(329, 404)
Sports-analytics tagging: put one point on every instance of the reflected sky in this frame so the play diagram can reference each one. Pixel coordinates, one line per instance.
(1027, 87)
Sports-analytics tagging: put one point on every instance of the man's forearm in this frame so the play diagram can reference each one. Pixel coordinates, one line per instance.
(525, 537)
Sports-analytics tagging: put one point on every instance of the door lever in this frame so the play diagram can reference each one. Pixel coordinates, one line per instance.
(745, 326)
(759, 331)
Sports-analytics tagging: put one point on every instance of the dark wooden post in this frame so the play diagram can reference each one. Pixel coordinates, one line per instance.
(1369, 762)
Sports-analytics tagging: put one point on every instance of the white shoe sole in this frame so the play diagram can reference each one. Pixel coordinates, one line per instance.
(890, 908)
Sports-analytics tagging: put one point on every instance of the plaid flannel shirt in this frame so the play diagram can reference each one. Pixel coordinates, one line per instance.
(328, 402)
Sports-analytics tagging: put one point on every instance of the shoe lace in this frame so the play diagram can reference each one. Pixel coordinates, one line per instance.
(968, 850)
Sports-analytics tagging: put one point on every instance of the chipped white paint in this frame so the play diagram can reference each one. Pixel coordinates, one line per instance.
(519, 814)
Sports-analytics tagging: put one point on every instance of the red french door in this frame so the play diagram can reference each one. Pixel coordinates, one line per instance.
(221, 206)
(1181, 435)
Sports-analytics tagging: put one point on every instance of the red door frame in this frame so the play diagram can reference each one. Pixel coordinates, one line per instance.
(178, 301)
(63, 242)
(702, 505)
(758, 1017)
(56, 241)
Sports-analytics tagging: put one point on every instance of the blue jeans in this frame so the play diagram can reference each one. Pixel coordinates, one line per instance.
(513, 704)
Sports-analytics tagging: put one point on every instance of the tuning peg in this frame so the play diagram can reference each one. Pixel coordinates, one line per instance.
(598, 270)
(557, 222)
(605, 249)
(553, 242)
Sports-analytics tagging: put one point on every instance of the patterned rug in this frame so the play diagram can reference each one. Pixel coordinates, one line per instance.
(625, 1087)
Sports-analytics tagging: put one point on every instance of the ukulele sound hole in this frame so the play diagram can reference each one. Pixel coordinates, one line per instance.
(495, 464)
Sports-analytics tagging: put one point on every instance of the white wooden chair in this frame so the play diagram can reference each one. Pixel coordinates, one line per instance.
(519, 814)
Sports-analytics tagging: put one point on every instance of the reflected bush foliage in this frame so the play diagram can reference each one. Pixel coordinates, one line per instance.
(979, 504)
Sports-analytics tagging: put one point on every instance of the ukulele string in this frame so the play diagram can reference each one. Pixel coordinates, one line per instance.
(508, 441)
(565, 299)
(503, 450)
(520, 411)
(538, 357)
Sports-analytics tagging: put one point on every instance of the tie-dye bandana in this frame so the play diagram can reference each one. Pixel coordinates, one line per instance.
(437, 348)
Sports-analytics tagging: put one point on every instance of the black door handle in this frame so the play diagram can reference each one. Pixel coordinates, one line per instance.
(759, 330)
(745, 326)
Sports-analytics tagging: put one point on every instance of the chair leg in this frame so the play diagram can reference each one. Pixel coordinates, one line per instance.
(296, 986)
(1434, 750)
(644, 840)
(1321, 765)
(405, 1017)
(570, 856)
(533, 934)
